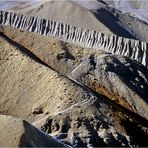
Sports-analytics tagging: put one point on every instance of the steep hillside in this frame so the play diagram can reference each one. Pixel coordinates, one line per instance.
(93, 15)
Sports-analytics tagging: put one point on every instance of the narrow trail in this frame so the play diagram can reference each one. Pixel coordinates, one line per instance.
(69, 109)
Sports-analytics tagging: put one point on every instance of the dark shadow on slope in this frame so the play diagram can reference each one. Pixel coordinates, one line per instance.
(101, 1)
(32, 137)
(90, 126)
(139, 135)
(66, 55)
(131, 75)
(112, 23)
(32, 55)
(137, 118)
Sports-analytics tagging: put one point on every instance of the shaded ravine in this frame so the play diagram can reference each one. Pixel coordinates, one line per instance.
(134, 49)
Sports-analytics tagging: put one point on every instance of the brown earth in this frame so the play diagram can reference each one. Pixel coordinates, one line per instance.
(111, 95)
(49, 50)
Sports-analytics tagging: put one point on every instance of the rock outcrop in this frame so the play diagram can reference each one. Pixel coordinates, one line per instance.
(117, 77)
(95, 124)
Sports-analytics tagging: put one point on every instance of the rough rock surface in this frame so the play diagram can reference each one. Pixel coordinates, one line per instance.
(19, 133)
(95, 123)
(119, 78)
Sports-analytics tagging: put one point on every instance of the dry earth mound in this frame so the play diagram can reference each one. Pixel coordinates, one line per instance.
(102, 17)
(61, 56)
(29, 88)
(65, 58)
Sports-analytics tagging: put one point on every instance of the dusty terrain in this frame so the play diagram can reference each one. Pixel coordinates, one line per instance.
(93, 15)
(29, 87)
(82, 97)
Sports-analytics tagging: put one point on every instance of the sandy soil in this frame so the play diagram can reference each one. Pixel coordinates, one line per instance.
(30, 89)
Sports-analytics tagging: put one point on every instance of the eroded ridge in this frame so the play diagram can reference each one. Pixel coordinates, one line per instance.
(134, 49)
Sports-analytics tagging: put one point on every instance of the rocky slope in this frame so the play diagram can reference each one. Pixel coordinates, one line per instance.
(93, 15)
(119, 78)
(134, 8)
(96, 124)
(65, 58)
(104, 76)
